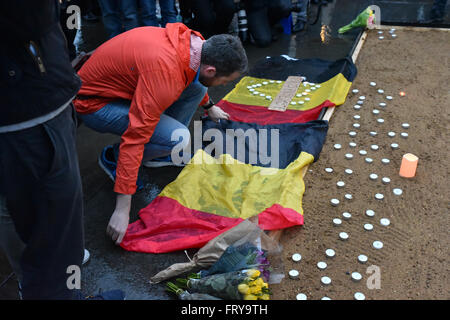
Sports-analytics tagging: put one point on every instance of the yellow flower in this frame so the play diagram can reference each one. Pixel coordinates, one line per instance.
(265, 285)
(265, 297)
(253, 273)
(243, 288)
(259, 282)
(250, 297)
(255, 289)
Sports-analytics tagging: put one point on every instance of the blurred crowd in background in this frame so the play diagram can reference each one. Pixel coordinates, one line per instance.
(255, 21)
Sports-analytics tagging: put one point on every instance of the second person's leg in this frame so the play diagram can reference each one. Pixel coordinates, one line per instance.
(130, 14)
(168, 13)
(111, 17)
(148, 13)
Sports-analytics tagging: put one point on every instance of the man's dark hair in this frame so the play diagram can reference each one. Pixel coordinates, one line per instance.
(226, 53)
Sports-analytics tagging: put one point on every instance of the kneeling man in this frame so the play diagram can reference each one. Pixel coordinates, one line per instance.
(143, 85)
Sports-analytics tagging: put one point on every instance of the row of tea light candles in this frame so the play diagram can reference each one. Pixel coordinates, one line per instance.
(407, 169)
(312, 87)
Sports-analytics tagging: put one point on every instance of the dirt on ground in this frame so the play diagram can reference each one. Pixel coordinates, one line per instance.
(413, 263)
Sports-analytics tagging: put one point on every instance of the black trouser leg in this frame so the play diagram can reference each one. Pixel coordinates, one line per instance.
(203, 17)
(213, 17)
(10, 242)
(258, 22)
(40, 179)
(262, 15)
(224, 12)
(185, 8)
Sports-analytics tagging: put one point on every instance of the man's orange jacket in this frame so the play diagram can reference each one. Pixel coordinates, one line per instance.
(149, 66)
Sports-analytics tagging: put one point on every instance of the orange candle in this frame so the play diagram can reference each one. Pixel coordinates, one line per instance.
(408, 166)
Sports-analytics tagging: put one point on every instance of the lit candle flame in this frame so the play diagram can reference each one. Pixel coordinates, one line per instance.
(324, 33)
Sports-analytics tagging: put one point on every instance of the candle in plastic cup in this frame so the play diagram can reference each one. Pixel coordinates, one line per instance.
(408, 166)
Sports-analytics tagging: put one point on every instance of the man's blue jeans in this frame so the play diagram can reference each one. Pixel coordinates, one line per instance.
(113, 118)
(113, 11)
(148, 12)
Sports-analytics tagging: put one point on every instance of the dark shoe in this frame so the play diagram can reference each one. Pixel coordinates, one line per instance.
(108, 163)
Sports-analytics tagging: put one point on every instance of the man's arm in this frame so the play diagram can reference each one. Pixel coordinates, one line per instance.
(152, 96)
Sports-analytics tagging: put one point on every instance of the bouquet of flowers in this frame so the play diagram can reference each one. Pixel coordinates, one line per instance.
(364, 19)
(245, 246)
(240, 257)
(237, 285)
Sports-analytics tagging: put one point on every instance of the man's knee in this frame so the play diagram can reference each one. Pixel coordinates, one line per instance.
(196, 89)
(284, 8)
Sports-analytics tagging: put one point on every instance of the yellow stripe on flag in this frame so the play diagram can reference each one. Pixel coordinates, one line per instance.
(230, 188)
(334, 90)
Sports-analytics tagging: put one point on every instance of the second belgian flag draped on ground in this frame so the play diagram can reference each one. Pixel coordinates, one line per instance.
(251, 165)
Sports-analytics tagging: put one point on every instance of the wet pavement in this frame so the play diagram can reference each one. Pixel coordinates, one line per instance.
(111, 267)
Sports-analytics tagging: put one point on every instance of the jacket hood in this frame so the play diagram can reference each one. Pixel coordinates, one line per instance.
(179, 36)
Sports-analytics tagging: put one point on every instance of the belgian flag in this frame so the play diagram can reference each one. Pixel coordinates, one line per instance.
(331, 79)
(252, 164)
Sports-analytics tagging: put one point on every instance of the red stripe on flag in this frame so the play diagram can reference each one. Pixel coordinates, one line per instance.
(262, 115)
(165, 226)
(276, 217)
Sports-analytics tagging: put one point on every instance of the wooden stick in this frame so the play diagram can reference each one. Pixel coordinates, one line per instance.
(359, 46)
(355, 55)
(409, 28)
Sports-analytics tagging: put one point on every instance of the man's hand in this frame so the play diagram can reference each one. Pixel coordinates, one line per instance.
(215, 113)
(118, 224)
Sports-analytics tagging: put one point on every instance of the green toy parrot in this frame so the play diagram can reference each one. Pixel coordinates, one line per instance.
(364, 19)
